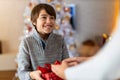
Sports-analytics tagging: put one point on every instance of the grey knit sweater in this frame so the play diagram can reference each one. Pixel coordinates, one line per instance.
(31, 53)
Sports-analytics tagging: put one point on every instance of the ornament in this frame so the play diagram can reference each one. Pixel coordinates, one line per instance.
(67, 9)
(49, 1)
(30, 5)
(29, 28)
(105, 37)
(72, 46)
(67, 18)
(58, 7)
(57, 27)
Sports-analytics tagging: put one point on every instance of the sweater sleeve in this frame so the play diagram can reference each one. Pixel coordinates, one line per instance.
(23, 60)
(65, 50)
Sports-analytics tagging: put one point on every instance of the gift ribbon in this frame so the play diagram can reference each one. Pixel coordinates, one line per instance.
(47, 73)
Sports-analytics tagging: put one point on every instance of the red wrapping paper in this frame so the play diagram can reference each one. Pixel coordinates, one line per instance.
(47, 73)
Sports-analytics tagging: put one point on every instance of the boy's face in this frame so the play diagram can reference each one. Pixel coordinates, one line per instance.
(45, 23)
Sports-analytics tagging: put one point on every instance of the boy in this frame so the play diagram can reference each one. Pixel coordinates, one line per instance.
(42, 45)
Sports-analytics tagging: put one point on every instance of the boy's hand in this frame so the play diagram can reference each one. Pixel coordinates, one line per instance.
(36, 75)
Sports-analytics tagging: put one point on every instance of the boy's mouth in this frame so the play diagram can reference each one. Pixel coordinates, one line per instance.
(48, 26)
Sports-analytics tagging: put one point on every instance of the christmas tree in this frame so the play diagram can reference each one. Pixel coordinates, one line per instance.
(63, 26)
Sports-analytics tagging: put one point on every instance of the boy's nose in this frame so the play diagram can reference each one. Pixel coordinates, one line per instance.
(48, 20)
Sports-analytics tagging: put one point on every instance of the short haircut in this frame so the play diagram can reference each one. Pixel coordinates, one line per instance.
(88, 43)
(36, 10)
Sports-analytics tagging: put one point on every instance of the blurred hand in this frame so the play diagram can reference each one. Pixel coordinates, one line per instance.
(36, 75)
(82, 59)
(59, 69)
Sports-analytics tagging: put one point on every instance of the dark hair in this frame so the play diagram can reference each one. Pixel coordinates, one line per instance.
(36, 10)
(88, 43)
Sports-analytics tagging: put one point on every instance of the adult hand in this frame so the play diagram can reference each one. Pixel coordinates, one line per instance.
(59, 69)
(36, 75)
(69, 62)
(74, 61)
(82, 59)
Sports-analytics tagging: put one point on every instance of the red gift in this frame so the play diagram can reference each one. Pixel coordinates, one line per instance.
(47, 73)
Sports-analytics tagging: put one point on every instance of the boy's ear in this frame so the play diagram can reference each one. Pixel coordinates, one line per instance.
(34, 23)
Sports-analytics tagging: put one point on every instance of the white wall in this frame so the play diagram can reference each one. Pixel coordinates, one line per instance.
(11, 23)
(94, 17)
(7, 62)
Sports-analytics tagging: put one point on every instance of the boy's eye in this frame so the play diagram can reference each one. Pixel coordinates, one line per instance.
(52, 17)
(43, 17)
